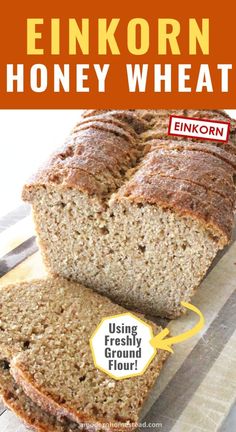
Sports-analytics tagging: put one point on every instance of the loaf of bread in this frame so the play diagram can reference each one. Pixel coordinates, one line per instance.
(131, 213)
(50, 322)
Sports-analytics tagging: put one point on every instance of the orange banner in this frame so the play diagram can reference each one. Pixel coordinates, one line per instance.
(126, 54)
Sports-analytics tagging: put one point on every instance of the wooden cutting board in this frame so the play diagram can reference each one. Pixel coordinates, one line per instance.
(196, 391)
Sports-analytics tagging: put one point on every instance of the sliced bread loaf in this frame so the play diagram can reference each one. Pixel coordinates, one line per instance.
(53, 319)
(133, 218)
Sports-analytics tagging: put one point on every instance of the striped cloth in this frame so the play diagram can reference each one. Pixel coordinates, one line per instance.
(196, 391)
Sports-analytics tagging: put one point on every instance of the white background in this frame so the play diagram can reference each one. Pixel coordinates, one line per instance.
(27, 137)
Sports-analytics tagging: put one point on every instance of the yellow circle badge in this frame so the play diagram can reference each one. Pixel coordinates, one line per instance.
(123, 345)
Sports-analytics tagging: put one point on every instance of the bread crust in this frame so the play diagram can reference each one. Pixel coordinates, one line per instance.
(219, 150)
(202, 168)
(38, 420)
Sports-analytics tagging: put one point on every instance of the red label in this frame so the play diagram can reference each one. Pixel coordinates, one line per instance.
(213, 130)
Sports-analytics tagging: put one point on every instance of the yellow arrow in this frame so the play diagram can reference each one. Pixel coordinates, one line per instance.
(159, 341)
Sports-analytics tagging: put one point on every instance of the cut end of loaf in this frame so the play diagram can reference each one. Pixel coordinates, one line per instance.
(142, 256)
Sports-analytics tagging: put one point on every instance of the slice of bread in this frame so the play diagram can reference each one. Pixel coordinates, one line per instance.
(135, 218)
(52, 321)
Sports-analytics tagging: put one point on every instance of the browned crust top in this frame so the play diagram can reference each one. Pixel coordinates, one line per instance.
(128, 154)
